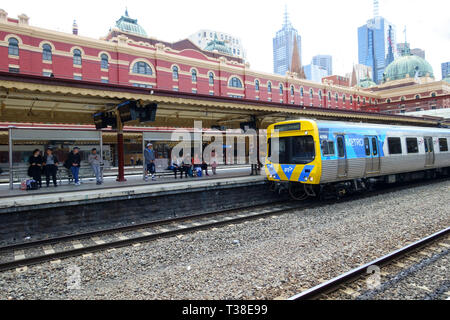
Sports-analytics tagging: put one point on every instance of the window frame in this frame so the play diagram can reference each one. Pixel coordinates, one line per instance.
(194, 76)
(47, 54)
(412, 149)
(77, 57)
(138, 66)
(235, 82)
(441, 149)
(394, 142)
(211, 78)
(13, 48)
(102, 61)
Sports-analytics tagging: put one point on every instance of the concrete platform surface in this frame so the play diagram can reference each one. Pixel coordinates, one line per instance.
(18, 200)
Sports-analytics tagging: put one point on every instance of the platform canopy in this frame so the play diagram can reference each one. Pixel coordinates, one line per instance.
(33, 99)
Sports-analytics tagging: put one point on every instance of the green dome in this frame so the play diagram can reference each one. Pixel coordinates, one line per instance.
(219, 46)
(366, 83)
(408, 65)
(128, 25)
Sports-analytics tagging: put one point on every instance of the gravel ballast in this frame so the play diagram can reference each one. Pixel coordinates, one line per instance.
(274, 257)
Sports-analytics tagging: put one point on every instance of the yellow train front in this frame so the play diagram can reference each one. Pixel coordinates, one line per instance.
(293, 159)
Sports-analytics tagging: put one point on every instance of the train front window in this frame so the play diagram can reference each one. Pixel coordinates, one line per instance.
(293, 150)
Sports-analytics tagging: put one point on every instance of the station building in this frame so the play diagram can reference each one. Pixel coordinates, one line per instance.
(128, 56)
(128, 59)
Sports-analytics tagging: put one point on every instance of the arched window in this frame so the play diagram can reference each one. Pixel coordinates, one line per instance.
(388, 101)
(302, 91)
(311, 93)
(13, 48)
(402, 98)
(292, 90)
(329, 96)
(257, 85)
(320, 94)
(105, 62)
(364, 100)
(417, 97)
(359, 100)
(142, 67)
(336, 97)
(281, 89)
(194, 75)
(351, 99)
(175, 73)
(211, 78)
(343, 98)
(235, 82)
(269, 87)
(46, 52)
(433, 94)
(77, 57)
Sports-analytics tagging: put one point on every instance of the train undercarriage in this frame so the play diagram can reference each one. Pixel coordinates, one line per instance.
(336, 190)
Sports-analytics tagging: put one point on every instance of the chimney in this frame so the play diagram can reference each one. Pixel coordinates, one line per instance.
(75, 28)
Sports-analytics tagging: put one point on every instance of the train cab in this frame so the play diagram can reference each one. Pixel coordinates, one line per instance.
(293, 153)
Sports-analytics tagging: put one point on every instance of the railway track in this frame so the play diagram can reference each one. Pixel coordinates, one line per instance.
(17, 256)
(358, 284)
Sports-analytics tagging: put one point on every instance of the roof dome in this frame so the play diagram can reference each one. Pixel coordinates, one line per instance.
(366, 83)
(408, 65)
(128, 25)
(218, 45)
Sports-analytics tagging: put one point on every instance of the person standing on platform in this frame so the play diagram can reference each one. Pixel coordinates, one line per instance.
(94, 161)
(35, 169)
(50, 167)
(149, 158)
(74, 160)
(214, 162)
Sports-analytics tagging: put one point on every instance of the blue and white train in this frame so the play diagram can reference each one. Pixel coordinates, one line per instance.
(308, 156)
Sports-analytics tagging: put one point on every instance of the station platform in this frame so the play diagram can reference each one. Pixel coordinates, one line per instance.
(88, 192)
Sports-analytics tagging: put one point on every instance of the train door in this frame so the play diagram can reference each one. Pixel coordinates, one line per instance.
(342, 157)
(372, 154)
(429, 151)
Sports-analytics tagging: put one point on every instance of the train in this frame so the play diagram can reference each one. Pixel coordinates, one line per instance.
(309, 157)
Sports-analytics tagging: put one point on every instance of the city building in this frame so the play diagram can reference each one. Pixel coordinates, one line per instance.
(204, 38)
(337, 80)
(445, 68)
(283, 47)
(418, 52)
(377, 45)
(128, 56)
(324, 61)
(359, 72)
(402, 47)
(315, 73)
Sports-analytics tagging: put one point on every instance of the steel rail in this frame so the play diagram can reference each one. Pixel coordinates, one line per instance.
(335, 283)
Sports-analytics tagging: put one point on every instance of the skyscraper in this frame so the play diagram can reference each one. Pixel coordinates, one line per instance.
(445, 69)
(315, 73)
(324, 61)
(283, 47)
(377, 45)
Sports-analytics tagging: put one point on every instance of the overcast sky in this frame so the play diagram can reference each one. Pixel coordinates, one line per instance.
(326, 26)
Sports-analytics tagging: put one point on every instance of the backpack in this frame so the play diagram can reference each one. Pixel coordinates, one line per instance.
(32, 185)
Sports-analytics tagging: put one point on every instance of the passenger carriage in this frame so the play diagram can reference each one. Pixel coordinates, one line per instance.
(308, 157)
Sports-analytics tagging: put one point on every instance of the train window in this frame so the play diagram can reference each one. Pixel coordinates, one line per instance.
(411, 145)
(443, 146)
(367, 146)
(327, 148)
(302, 150)
(374, 147)
(341, 147)
(395, 146)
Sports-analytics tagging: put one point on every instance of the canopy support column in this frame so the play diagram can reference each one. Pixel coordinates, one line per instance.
(10, 153)
(120, 149)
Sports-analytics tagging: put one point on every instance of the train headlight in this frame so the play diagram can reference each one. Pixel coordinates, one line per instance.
(306, 179)
(311, 179)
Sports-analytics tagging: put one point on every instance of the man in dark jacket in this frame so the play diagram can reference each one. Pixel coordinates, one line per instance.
(74, 160)
(50, 167)
(35, 169)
